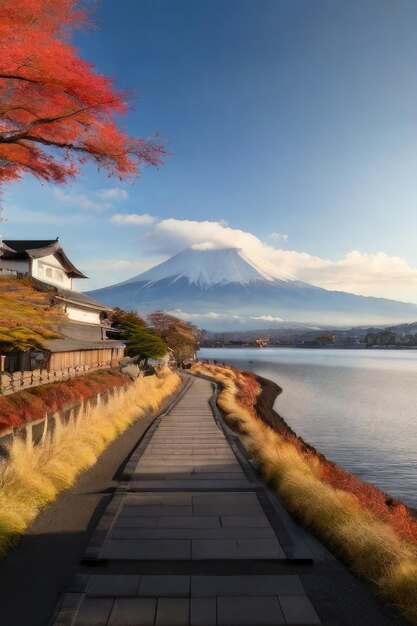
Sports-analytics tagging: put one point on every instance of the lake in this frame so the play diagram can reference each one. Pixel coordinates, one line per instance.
(358, 407)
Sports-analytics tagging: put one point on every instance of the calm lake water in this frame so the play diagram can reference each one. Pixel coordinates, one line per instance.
(358, 407)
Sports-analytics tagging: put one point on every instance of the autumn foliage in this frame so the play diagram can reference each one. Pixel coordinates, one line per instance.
(180, 336)
(56, 112)
(33, 404)
(28, 317)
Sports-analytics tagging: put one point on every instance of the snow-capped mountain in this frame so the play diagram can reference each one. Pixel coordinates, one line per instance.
(209, 268)
(230, 288)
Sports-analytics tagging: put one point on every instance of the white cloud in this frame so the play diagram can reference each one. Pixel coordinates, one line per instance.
(81, 200)
(116, 193)
(174, 235)
(363, 273)
(133, 218)
(98, 200)
(278, 236)
(267, 318)
(377, 274)
(211, 315)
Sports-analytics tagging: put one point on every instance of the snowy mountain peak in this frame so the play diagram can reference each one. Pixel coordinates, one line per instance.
(228, 288)
(207, 268)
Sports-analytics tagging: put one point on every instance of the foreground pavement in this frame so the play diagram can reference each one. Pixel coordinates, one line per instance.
(193, 537)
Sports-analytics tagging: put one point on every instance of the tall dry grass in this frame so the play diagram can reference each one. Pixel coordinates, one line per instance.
(374, 548)
(35, 475)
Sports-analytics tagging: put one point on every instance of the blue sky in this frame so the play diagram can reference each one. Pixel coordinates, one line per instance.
(284, 117)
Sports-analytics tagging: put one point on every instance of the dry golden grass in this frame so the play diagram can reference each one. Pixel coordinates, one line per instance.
(35, 475)
(372, 548)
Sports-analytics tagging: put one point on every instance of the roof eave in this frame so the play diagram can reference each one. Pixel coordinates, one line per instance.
(56, 250)
(37, 253)
(4, 248)
(72, 271)
(94, 306)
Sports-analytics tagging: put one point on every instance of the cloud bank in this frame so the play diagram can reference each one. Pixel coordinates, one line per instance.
(362, 273)
(133, 218)
(98, 200)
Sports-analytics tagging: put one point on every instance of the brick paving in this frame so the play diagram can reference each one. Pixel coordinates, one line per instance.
(190, 509)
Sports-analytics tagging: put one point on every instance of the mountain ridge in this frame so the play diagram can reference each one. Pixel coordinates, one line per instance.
(220, 266)
(229, 287)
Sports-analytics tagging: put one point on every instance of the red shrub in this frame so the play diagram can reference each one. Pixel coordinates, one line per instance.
(108, 379)
(9, 416)
(91, 386)
(27, 406)
(248, 390)
(370, 497)
(79, 388)
(55, 395)
(33, 404)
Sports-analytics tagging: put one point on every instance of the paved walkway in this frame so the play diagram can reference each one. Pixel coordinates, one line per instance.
(192, 537)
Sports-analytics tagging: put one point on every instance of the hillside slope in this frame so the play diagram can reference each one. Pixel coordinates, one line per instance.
(28, 317)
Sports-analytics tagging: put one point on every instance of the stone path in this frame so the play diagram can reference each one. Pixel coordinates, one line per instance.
(190, 538)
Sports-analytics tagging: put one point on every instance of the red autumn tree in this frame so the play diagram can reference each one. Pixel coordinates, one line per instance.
(181, 337)
(56, 112)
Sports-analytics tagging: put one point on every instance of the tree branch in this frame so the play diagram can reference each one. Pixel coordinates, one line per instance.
(17, 77)
(23, 134)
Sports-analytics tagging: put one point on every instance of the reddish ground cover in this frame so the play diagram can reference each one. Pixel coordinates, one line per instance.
(248, 391)
(32, 404)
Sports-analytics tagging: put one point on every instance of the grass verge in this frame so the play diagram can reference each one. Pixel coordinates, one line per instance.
(34, 403)
(35, 475)
(377, 543)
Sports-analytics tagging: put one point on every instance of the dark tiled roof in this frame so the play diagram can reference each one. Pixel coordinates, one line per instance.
(21, 245)
(4, 248)
(36, 249)
(68, 295)
(79, 336)
(81, 298)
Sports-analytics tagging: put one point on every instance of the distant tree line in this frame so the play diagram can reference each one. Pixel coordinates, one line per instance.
(389, 338)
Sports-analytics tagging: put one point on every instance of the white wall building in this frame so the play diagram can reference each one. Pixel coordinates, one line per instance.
(83, 344)
(46, 262)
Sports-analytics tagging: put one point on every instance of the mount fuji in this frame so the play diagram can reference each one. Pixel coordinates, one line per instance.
(229, 288)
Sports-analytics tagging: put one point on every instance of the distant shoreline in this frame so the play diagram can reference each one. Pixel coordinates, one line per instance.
(265, 409)
(306, 347)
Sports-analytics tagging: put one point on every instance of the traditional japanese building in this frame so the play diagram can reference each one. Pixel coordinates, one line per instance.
(46, 262)
(84, 344)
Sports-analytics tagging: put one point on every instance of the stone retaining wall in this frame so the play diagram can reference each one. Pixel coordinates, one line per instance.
(10, 383)
(35, 432)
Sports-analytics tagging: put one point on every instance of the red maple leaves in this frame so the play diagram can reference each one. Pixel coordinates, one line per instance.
(55, 111)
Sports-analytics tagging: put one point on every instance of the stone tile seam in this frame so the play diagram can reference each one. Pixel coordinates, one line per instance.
(68, 615)
(67, 609)
(96, 546)
(147, 436)
(280, 531)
